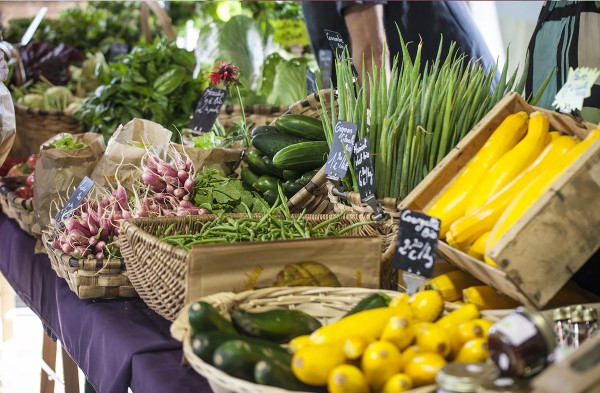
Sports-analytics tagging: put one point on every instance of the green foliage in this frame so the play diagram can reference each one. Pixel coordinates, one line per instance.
(67, 142)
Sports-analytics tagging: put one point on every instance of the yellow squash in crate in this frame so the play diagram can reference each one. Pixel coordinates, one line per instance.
(487, 298)
(450, 285)
(452, 204)
(347, 378)
(534, 191)
(513, 162)
(478, 247)
(466, 230)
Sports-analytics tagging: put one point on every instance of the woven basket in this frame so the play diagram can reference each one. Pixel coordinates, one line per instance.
(357, 206)
(90, 279)
(158, 270)
(19, 209)
(259, 114)
(325, 304)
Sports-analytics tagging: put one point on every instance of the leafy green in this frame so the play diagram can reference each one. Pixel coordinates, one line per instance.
(289, 81)
(207, 140)
(220, 194)
(67, 142)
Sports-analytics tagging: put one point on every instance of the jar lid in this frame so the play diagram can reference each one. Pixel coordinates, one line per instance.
(465, 377)
(577, 315)
(504, 385)
(560, 314)
(545, 327)
(590, 314)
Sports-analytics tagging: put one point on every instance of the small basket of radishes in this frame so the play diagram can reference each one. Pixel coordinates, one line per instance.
(16, 192)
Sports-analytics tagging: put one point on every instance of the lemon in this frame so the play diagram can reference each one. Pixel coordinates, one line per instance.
(398, 331)
(433, 338)
(313, 364)
(299, 342)
(473, 351)
(427, 305)
(347, 378)
(380, 361)
(423, 368)
(397, 383)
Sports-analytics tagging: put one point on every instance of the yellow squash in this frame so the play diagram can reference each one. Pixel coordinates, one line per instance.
(381, 360)
(452, 204)
(423, 368)
(469, 228)
(513, 162)
(397, 383)
(477, 328)
(478, 247)
(399, 331)
(487, 298)
(555, 134)
(450, 285)
(473, 351)
(534, 190)
(434, 338)
(313, 364)
(450, 321)
(426, 305)
(347, 378)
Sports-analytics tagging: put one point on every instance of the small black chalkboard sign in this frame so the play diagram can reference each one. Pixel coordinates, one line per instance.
(208, 109)
(417, 243)
(117, 49)
(311, 84)
(365, 175)
(74, 201)
(325, 60)
(337, 44)
(344, 134)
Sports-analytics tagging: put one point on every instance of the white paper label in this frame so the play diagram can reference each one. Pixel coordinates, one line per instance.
(577, 88)
(517, 328)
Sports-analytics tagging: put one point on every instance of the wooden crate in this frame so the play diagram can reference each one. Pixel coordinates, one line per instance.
(556, 236)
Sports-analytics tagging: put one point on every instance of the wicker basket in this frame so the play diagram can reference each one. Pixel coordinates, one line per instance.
(259, 114)
(326, 304)
(89, 279)
(357, 206)
(19, 209)
(158, 270)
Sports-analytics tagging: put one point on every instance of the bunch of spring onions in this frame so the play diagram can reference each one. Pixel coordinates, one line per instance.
(414, 118)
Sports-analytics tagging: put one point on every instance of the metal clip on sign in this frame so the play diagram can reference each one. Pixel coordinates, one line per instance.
(338, 191)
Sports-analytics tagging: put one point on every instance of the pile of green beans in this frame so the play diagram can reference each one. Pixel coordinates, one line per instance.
(276, 224)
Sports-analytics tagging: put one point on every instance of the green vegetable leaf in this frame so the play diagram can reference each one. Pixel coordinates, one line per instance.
(207, 140)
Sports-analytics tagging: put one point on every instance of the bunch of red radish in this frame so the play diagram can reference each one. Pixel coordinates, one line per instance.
(92, 230)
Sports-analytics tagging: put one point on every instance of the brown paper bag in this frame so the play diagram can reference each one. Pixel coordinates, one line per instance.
(225, 159)
(244, 266)
(123, 156)
(7, 115)
(58, 172)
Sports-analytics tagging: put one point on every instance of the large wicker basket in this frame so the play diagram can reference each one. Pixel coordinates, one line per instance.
(325, 304)
(259, 114)
(19, 209)
(158, 270)
(89, 278)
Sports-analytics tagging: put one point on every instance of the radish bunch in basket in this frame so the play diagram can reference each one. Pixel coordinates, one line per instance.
(165, 190)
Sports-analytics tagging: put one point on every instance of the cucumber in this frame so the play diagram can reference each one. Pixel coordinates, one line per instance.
(268, 372)
(376, 300)
(239, 357)
(291, 187)
(269, 143)
(303, 155)
(204, 344)
(265, 183)
(262, 165)
(278, 325)
(301, 126)
(248, 177)
(291, 174)
(270, 196)
(305, 178)
(203, 317)
(262, 130)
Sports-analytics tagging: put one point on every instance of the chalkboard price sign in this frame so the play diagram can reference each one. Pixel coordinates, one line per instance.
(337, 44)
(417, 243)
(342, 146)
(208, 109)
(74, 201)
(364, 168)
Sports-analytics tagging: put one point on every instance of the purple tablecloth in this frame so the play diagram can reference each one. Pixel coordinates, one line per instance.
(116, 343)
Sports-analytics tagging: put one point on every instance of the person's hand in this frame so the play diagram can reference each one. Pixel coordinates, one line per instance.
(367, 34)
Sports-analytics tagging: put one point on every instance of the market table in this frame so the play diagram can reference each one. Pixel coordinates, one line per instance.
(117, 343)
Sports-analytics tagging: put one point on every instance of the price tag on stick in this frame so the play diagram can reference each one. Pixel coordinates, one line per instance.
(208, 109)
(74, 201)
(337, 44)
(364, 169)
(418, 235)
(344, 134)
(576, 89)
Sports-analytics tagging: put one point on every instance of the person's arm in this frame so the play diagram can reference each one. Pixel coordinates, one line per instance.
(365, 23)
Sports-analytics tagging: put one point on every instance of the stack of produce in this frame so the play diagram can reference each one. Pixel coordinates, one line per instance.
(25, 168)
(288, 153)
(381, 345)
(515, 167)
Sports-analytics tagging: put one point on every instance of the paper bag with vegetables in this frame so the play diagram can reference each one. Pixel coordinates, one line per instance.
(121, 163)
(62, 163)
(223, 158)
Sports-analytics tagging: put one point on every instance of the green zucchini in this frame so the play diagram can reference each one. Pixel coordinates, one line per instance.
(203, 317)
(265, 183)
(248, 177)
(291, 187)
(204, 344)
(269, 143)
(301, 126)
(271, 373)
(262, 130)
(375, 300)
(239, 357)
(305, 178)
(278, 325)
(291, 174)
(303, 155)
(270, 196)
(262, 165)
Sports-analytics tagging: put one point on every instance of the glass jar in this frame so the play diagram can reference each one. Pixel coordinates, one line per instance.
(521, 343)
(504, 385)
(464, 377)
(560, 316)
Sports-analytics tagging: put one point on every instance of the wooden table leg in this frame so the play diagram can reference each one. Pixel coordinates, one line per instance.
(7, 303)
(71, 373)
(48, 357)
